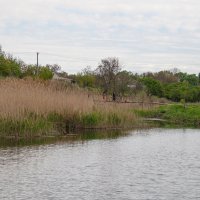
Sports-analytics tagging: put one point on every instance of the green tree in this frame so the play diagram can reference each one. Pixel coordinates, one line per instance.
(45, 73)
(9, 66)
(192, 79)
(153, 87)
(86, 78)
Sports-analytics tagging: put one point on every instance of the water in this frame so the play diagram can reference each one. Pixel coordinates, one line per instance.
(147, 164)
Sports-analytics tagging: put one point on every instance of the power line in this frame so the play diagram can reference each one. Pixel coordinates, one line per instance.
(21, 52)
(67, 58)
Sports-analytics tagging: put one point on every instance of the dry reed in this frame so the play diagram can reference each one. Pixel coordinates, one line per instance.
(19, 97)
(44, 100)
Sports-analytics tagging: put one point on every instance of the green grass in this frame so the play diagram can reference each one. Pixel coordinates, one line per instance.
(92, 119)
(178, 114)
(24, 127)
(100, 119)
(56, 124)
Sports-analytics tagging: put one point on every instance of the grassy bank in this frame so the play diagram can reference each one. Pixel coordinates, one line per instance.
(34, 108)
(188, 115)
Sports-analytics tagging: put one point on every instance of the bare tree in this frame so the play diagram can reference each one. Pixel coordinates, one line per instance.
(87, 71)
(175, 70)
(54, 68)
(107, 71)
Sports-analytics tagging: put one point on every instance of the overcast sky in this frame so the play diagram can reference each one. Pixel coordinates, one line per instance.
(146, 35)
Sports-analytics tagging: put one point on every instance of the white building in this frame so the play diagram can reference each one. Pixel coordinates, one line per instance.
(57, 77)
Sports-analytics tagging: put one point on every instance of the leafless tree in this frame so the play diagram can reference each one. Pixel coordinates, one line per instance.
(107, 71)
(54, 68)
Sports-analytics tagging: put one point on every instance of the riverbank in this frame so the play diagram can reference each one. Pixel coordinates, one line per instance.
(182, 115)
(37, 108)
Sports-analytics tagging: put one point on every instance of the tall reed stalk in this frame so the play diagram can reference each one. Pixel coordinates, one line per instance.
(37, 107)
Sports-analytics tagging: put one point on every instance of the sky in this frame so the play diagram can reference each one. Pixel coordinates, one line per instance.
(146, 35)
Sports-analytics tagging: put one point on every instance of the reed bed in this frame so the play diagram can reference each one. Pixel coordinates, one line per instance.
(33, 107)
(19, 97)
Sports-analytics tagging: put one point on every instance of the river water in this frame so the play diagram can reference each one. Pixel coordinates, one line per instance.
(145, 164)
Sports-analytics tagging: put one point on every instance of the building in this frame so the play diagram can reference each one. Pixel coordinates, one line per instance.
(57, 77)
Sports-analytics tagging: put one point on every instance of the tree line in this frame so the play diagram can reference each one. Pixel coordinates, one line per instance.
(171, 84)
(13, 67)
(109, 78)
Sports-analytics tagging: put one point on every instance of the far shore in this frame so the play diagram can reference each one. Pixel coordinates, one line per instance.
(31, 108)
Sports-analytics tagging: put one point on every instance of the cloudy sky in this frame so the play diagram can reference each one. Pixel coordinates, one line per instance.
(146, 35)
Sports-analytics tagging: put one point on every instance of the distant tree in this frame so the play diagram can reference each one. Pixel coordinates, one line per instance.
(107, 72)
(199, 77)
(126, 83)
(55, 68)
(87, 71)
(41, 72)
(153, 87)
(45, 73)
(9, 66)
(192, 79)
(174, 71)
(85, 80)
(166, 77)
(162, 76)
(148, 74)
(173, 92)
(29, 70)
(182, 90)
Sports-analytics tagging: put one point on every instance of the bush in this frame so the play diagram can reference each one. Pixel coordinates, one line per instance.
(92, 119)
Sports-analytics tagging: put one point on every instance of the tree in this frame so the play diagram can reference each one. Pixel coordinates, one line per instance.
(199, 78)
(175, 71)
(166, 77)
(107, 72)
(125, 83)
(192, 79)
(29, 70)
(45, 73)
(153, 87)
(9, 66)
(33, 71)
(85, 80)
(54, 68)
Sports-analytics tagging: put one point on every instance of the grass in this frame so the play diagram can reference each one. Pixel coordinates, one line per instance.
(177, 114)
(31, 108)
(34, 108)
(26, 127)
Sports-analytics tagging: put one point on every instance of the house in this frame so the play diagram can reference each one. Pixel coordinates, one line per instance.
(131, 86)
(57, 77)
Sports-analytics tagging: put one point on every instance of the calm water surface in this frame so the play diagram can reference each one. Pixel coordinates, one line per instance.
(153, 164)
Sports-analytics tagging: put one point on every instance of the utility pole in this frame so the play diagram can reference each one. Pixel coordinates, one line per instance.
(37, 62)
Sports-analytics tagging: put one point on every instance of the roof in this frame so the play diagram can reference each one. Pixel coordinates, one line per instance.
(57, 77)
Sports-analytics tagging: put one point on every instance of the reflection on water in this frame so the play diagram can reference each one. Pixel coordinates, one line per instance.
(70, 138)
(145, 164)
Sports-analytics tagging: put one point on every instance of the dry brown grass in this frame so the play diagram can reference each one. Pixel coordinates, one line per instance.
(19, 97)
(28, 105)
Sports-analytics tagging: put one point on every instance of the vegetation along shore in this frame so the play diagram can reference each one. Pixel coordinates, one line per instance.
(35, 103)
(30, 107)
